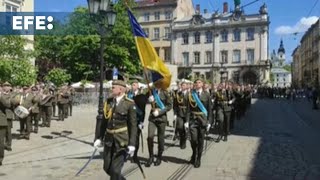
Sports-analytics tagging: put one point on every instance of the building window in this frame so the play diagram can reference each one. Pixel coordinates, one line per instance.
(196, 58)
(197, 74)
(236, 56)
(250, 56)
(196, 37)
(224, 56)
(146, 17)
(236, 76)
(208, 37)
(157, 16)
(168, 15)
(146, 31)
(208, 57)
(156, 33)
(167, 54)
(224, 36)
(208, 75)
(11, 8)
(167, 33)
(185, 58)
(250, 34)
(237, 35)
(185, 37)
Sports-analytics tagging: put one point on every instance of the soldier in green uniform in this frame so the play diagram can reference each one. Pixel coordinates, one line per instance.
(25, 123)
(7, 95)
(180, 110)
(198, 120)
(140, 102)
(63, 99)
(46, 106)
(35, 109)
(71, 94)
(118, 130)
(162, 103)
(224, 102)
(54, 102)
(4, 104)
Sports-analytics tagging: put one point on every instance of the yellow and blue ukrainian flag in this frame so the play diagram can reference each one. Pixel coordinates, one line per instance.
(161, 76)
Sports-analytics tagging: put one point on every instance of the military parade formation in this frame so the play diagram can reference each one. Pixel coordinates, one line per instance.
(198, 111)
(31, 105)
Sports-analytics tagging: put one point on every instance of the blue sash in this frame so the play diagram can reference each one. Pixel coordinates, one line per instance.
(130, 95)
(199, 103)
(158, 100)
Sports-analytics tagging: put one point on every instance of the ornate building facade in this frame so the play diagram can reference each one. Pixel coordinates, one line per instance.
(223, 46)
(156, 17)
(281, 77)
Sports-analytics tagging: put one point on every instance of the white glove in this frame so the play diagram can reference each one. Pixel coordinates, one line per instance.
(130, 150)
(140, 125)
(230, 102)
(208, 127)
(151, 99)
(175, 117)
(186, 125)
(155, 113)
(97, 144)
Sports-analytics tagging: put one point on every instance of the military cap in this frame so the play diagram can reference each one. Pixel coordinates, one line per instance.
(134, 81)
(34, 88)
(198, 79)
(6, 84)
(119, 83)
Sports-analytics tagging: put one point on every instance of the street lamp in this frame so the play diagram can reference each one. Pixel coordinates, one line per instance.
(102, 13)
(222, 70)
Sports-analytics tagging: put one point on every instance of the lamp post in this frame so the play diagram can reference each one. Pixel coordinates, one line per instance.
(102, 13)
(222, 69)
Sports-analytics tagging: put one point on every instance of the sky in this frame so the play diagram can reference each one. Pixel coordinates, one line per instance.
(289, 18)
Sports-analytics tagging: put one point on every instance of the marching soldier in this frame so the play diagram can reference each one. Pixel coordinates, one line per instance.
(198, 120)
(35, 110)
(4, 104)
(162, 103)
(180, 109)
(72, 93)
(7, 95)
(25, 123)
(47, 99)
(118, 130)
(63, 99)
(54, 102)
(224, 101)
(140, 102)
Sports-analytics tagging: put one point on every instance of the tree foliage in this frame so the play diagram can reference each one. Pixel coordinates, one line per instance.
(58, 76)
(15, 65)
(78, 52)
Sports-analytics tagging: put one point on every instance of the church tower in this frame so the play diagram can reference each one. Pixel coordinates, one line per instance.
(281, 54)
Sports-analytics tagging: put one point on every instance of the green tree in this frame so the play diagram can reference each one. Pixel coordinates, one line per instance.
(58, 76)
(12, 47)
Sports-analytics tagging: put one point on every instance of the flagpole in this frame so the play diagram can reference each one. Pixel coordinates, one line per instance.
(144, 67)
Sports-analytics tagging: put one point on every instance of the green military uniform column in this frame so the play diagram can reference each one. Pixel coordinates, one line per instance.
(4, 104)
(25, 123)
(8, 95)
(118, 130)
(199, 120)
(162, 103)
(46, 106)
(35, 109)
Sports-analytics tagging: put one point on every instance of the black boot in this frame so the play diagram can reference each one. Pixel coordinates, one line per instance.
(194, 152)
(225, 138)
(197, 164)
(182, 143)
(193, 158)
(150, 161)
(158, 161)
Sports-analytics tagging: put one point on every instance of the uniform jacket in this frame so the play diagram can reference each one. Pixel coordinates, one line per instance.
(180, 103)
(167, 101)
(4, 104)
(194, 114)
(123, 115)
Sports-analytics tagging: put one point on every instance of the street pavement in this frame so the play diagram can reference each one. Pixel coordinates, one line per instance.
(277, 139)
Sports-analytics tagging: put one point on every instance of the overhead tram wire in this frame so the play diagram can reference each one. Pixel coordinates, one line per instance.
(314, 5)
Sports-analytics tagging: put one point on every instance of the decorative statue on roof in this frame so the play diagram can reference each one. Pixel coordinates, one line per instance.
(237, 4)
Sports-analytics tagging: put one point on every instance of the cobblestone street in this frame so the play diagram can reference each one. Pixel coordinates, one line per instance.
(278, 139)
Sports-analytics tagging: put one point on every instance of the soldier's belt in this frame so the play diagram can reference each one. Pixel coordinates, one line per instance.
(115, 131)
(182, 106)
(197, 113)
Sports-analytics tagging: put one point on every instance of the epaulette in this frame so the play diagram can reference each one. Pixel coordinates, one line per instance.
(128, 99)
